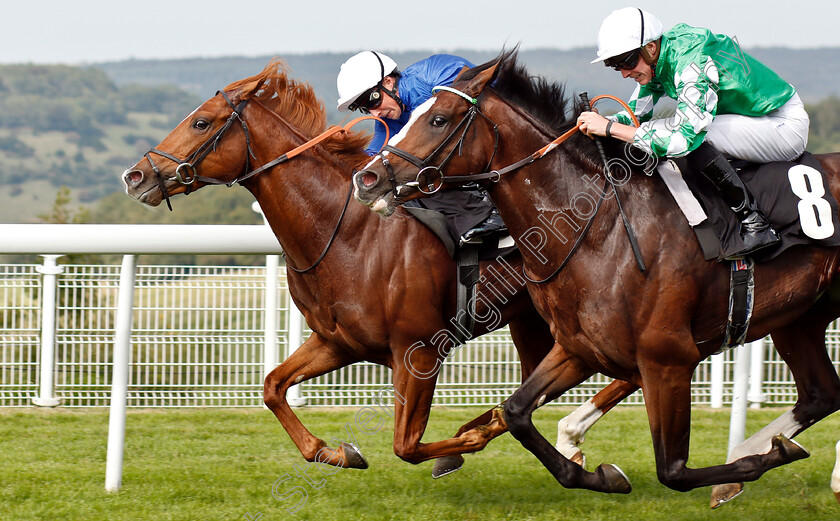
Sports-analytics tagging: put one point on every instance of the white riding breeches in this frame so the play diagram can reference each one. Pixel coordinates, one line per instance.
(780, 135)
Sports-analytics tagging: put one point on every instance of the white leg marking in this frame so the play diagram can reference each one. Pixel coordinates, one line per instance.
(759, 443)
(835, 476)
(572, 429)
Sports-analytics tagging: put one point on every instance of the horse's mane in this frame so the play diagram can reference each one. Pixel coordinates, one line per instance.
(297, 103)
(544, 100)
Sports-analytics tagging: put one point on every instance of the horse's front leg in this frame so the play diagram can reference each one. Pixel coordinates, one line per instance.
(667, 390)
(572, 429)
(414, 384)
(448, 464)
(558, 372)
(533, 341)
(313, 358)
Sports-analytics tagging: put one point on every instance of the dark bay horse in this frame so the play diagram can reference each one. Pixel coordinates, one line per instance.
(648, 327)
(362, 301)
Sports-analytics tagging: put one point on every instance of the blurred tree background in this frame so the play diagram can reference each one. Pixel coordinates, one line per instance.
(67, 133)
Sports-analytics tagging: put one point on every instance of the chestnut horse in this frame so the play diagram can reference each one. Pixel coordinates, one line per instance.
(648, 327)
(362, 301)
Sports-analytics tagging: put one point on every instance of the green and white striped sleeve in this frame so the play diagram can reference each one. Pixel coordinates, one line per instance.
(641, 103)
(696, 108)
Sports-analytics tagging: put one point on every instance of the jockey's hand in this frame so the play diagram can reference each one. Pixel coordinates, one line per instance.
(593, 124)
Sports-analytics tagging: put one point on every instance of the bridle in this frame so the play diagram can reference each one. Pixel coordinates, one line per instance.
(495, 175)
(190, 163)
(429, 184)
(185, 172)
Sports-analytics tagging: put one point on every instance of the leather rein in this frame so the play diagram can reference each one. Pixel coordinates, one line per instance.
(186, 173)
(429, 186)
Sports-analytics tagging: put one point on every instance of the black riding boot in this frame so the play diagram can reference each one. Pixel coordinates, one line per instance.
(493, 225)
(755, 231)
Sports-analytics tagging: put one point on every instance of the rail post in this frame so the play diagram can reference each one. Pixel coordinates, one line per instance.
(49, 271)
(756, 394)
(272, 265)
(717, 381)
(738, 417)
(295, 340)
(119, 379)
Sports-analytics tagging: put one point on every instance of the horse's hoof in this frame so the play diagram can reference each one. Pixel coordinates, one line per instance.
(353, 459)
(447, 465)
(791, 450)
(725, 492)
(615, 479)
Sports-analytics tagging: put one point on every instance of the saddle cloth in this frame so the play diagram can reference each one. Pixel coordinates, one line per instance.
(491, 248)
(792, 194)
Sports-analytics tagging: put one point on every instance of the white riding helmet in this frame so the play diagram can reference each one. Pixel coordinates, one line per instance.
(624, 30)
(360, 73)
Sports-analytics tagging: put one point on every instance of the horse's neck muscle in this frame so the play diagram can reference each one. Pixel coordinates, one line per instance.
(302, 198)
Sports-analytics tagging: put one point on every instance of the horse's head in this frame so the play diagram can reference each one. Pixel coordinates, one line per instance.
(216, 145)
(201, 150)
(449, 131)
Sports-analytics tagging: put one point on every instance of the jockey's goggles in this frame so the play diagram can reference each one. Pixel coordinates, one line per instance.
(624, 62)
(369, 100)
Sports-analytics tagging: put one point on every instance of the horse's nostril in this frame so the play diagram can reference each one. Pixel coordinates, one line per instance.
(368, 179)
(133, 177)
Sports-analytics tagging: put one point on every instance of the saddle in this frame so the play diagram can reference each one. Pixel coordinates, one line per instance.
(466, 257)
(793, 197)
(792, 194)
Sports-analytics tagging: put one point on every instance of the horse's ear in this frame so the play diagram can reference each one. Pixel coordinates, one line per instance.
(235, 97)
(477, 84)
(463, 70)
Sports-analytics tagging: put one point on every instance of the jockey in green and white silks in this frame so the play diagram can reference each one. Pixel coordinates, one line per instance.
(727, 103)
(723, 95)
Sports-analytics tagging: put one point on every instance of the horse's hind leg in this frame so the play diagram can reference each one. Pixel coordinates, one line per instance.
(557, 373)
(411, 413)
(572, 429)
(802, 345)
(313, 358)
(532, 338)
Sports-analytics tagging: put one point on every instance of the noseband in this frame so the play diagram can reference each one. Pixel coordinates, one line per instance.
(185, 172)
(431, 184)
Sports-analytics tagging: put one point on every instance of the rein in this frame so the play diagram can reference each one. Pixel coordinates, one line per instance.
(496, 175)
(192, 161)
(329, 242)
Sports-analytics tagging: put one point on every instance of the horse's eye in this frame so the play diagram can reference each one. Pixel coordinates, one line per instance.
(201, 124)
(438, 121)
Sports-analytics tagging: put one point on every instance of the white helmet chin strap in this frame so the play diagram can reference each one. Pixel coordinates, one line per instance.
(392, 93)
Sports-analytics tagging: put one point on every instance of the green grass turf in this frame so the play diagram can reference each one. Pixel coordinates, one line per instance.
(209, 464)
